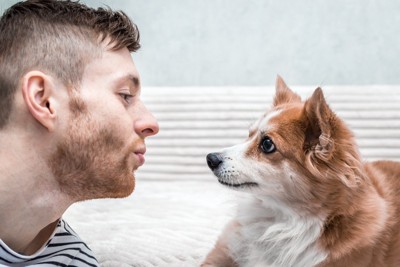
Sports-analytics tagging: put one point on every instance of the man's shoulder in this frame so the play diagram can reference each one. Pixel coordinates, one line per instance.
(67, 243)
(64, 248)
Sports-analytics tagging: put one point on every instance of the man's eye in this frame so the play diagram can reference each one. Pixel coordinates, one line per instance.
(267, 146)
(127, 97)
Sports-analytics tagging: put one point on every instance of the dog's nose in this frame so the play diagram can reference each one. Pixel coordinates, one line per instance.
(213, 160)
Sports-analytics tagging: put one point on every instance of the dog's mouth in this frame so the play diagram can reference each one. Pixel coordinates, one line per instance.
(246, 184)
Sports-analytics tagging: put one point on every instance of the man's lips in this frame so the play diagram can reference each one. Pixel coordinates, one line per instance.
(140, 158)
(139, 154)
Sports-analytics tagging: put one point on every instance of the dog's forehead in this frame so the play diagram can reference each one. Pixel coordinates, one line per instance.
(270, 121)
(265, 121)
(262, 124)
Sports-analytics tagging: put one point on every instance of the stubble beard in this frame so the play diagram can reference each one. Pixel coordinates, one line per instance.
(91, 161)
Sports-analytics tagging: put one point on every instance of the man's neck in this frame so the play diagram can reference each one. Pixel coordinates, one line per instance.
(30, 200)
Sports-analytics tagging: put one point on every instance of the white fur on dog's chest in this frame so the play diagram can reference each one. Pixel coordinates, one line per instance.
(273, 235)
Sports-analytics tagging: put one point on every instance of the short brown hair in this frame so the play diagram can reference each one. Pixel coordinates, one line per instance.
(58, 37)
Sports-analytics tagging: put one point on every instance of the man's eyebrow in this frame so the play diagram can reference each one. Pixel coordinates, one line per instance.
(130, 78)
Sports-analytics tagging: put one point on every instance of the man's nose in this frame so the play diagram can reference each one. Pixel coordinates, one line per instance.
(147, 124)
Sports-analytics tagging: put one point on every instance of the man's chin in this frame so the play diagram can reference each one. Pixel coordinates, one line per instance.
(118, 188)
(126, 188)
(131, 186)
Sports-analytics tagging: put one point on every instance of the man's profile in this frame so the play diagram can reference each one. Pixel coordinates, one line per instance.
(72, 124)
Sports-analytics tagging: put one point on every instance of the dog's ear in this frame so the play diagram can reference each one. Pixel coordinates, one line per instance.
(329, 146)
(283, 93)
(320, 123)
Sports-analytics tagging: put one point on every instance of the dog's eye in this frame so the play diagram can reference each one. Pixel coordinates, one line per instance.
(267, 146)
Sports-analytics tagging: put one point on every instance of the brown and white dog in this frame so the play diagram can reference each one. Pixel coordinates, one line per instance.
(311, 200)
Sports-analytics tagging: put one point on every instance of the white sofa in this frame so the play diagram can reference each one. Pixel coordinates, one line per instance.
(178, 209)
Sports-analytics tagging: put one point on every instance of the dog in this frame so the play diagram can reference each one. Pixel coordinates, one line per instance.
(309, 198)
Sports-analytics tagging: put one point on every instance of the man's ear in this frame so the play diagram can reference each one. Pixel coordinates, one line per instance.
(38, 92)
(283, 93)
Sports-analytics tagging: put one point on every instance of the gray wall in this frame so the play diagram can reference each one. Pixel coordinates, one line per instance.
(246, 43)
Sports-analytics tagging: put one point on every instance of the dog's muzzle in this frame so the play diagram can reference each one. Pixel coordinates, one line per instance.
(214, 160)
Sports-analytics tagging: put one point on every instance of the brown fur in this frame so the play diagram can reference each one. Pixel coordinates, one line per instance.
(218, 257)
(360, 201)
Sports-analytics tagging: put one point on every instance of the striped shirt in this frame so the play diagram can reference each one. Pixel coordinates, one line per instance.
(64, 248)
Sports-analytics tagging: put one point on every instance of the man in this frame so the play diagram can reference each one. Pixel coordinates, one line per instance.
(72, 124)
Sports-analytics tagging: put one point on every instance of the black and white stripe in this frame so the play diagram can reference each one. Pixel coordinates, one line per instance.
(64, 248)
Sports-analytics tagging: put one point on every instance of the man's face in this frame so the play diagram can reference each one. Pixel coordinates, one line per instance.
(104, 141)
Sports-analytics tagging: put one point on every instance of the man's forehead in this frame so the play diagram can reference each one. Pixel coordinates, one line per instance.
(115, 65)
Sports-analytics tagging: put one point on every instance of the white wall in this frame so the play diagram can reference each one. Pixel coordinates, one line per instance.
(238, 42)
